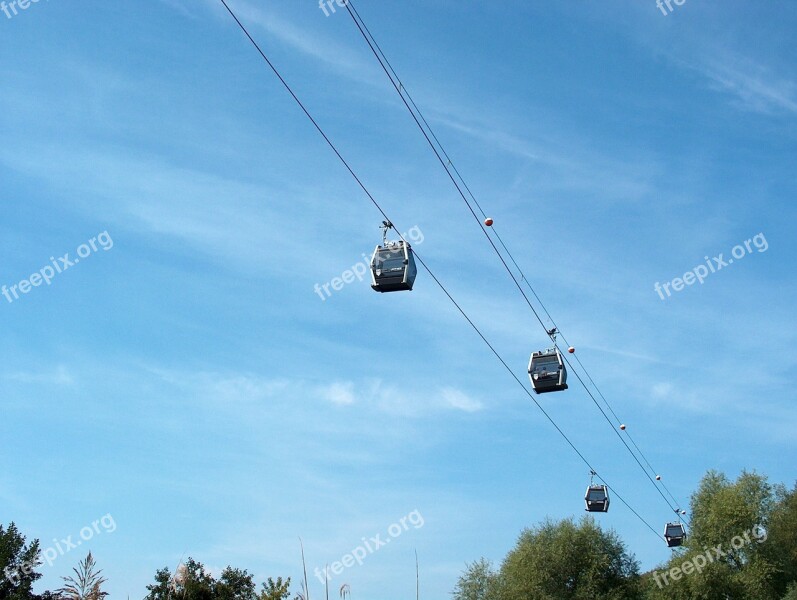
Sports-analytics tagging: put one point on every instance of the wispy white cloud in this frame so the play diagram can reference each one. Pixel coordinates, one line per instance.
(180, 7)
(310, 43)
(340, 393)
(755, 87)
(242, 389)
(660, 391)
(461, 401)
(625, 179)
(167, 200)
(624, 353)
(58, 376)
(628, 178)
(745, 70)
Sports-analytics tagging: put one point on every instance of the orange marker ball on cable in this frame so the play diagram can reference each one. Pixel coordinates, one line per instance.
(488, 221)
(571, 350)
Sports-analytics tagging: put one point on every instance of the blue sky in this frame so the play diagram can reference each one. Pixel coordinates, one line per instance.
(188, 380)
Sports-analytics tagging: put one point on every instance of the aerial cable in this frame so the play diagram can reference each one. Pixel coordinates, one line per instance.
(419, 119)
(425, 266)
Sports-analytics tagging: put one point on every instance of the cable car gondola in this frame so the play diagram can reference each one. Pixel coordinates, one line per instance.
(597, 497)
(547, 369)
(674, 534)
(392, 265)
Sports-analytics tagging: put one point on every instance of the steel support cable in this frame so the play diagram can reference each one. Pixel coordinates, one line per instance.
(427, 132)
(427, 268)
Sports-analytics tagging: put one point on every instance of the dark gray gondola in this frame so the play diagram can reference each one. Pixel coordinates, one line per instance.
(674, 534)
(547, 371)
(392, 265)
(597, 498)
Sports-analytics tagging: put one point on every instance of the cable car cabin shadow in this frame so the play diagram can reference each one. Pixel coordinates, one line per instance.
(547, 371)
(393, 267)
(597, 498)
(674, 534)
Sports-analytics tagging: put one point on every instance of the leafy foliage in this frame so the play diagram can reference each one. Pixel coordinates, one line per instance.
(275, 590)
(478, 583)
(557, 560)
(193, 582)
(742, 543)
(18, 563)
(781, 546)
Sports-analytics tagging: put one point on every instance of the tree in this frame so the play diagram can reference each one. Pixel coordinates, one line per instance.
(557, 560)
(479, 582)
(235, 584)
(791, 594)
(741, 543)
(87, 582)
(781, 544)
(18, 563)
(780, 549)
(275, 590)
(192, 582)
